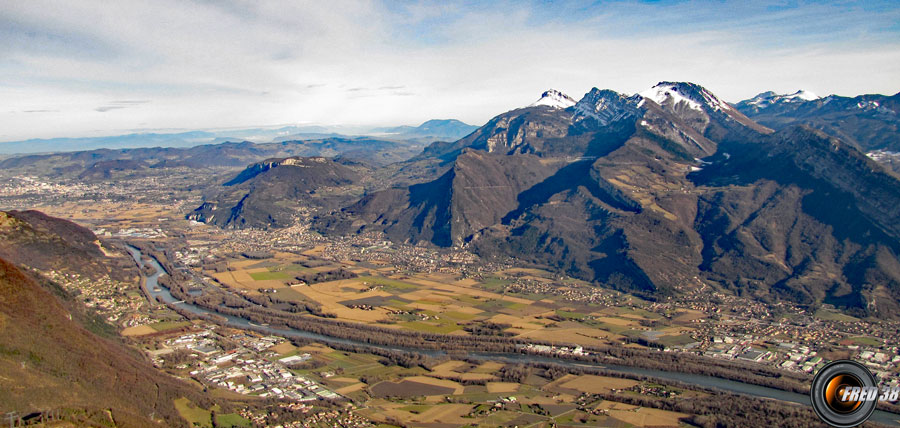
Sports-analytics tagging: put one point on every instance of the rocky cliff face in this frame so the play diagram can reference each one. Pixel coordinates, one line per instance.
(531, 130)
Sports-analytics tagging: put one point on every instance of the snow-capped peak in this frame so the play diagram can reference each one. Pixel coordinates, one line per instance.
(555, 99)
(769, 98)
(803, 95)
(666, 90)
(695, 96)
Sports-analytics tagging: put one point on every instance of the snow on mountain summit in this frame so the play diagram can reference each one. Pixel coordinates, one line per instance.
(695, 96)
(803, 95)
(769, 98)
(555, 99)
(663, 92)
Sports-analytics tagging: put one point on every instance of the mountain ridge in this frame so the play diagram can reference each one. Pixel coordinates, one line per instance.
(870, 122)
(637, 201)
(439, 128)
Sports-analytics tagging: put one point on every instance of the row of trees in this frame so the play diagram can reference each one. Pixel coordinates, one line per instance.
(331, 275)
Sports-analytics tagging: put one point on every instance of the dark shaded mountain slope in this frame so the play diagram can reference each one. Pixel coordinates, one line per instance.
(273, 192)
(802, 216)
(476, 192)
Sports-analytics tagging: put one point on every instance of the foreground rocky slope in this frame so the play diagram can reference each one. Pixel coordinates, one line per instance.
(54, 353)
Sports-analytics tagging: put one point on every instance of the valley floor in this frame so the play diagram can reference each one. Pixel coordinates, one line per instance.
(368, 281)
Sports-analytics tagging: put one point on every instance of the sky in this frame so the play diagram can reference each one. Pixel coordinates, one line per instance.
(92, 68)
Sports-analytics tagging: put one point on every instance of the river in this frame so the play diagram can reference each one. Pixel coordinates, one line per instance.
(163, 295)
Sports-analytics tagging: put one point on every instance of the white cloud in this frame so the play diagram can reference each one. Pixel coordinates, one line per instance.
(214, 64)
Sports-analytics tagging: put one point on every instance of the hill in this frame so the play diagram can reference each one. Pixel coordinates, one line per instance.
(432, 130)
(50, 356)
(36, 240)
(273, 192)
(474, 193)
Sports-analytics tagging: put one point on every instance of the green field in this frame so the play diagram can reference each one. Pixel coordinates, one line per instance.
(388, 283)
(495, 305)
(870, 341)
(195, 416)
(677, 340)
(231, 420)
(293, 267)
(430, 328)
(459, 316)
(570, 315)
(825, 315)
(495, 284)
(169, 325)
(471, 300)
(263, 276)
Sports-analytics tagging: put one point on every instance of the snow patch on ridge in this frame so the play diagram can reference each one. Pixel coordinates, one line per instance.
(607, 106)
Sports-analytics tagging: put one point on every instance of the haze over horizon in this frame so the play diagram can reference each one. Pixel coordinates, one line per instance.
(94, 68)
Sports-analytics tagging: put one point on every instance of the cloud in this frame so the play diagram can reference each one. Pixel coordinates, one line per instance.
(120, 104)
(104, 109)
(233, 63)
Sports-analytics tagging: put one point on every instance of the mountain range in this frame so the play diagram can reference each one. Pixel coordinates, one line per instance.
(432, 130)
(870, 122)
(665, 192)
(109, 163)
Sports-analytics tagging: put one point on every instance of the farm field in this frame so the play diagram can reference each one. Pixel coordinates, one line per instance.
(419, 397)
